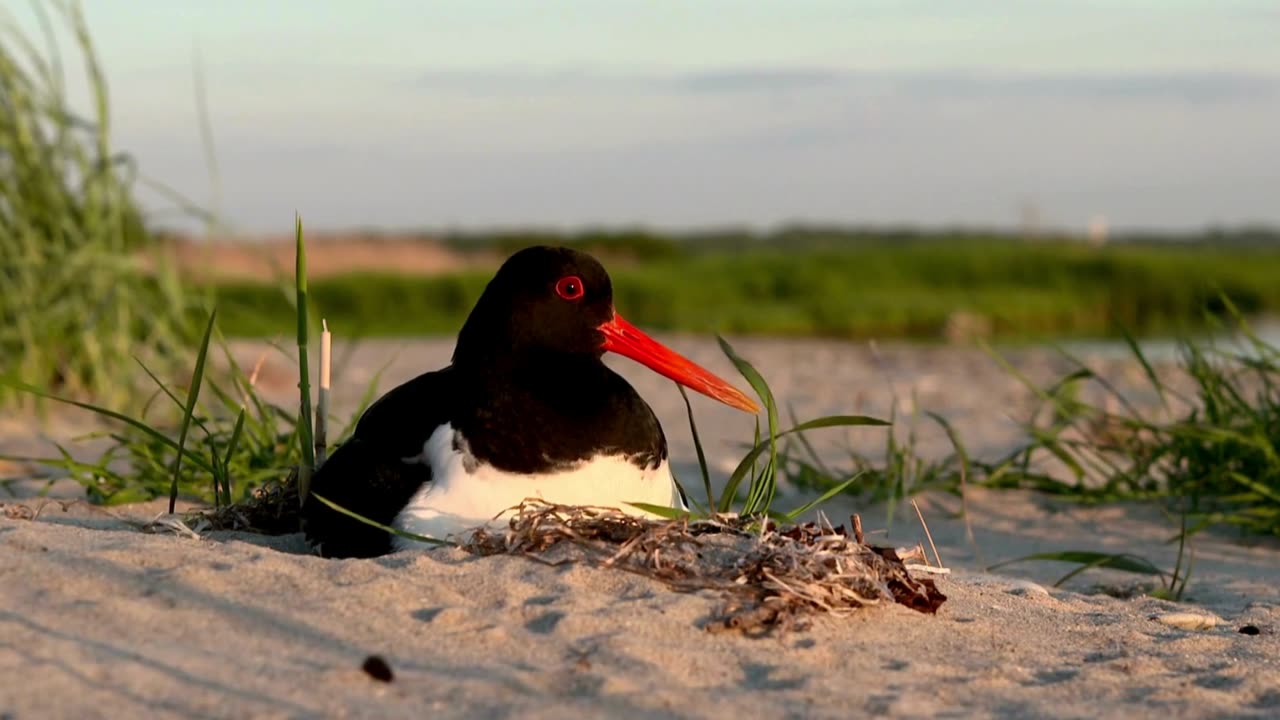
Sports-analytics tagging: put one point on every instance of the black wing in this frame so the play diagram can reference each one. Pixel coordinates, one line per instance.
(367, 474)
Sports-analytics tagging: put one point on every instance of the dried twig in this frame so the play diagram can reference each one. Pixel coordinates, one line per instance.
(17, 511)
(927, 535)
(173, 524)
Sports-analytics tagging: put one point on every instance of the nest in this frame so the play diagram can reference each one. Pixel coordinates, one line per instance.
(770, 578)
(272, 509)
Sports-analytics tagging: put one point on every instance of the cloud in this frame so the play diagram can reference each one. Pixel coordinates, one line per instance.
(767, 79)
(525, 81)
(1192, 86)
(935, 84)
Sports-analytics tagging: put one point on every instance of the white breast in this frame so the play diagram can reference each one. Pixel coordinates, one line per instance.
(465, 494)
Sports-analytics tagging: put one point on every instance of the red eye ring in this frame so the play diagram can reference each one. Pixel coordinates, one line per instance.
(570, 287)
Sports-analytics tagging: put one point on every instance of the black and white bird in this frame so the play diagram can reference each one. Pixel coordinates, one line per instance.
(527, 408)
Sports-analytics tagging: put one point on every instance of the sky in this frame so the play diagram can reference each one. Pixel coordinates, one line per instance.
(1158, 114)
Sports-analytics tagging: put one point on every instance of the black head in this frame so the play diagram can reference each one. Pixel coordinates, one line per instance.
(550, 303)
(542, 299)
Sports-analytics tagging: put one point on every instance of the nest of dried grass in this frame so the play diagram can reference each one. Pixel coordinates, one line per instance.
(272, 509)
(778, 578)
(774, 579)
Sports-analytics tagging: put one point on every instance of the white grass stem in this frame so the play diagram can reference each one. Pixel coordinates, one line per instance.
(322, 401)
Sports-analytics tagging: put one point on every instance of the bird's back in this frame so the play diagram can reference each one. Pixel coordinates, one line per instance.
(367, 474)
(518, 426)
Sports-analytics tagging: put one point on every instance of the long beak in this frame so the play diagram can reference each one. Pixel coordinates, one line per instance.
(626, 339)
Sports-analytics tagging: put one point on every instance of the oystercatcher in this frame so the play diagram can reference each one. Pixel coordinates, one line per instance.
(526, 409)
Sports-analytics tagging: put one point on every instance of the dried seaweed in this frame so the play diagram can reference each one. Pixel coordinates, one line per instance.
(778, 578)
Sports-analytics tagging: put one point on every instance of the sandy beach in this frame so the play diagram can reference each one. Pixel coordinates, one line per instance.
(101, 619)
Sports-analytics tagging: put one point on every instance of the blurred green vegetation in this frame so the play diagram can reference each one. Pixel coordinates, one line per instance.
(76, 308)
(856, 288)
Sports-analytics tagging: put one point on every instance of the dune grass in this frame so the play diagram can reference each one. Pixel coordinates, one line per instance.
(75, 306)
(1213, 454)
(1210, 459)
(243, 443)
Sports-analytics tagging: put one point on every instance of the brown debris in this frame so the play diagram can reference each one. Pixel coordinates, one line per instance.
(271, 510)
(775, 579)
(17, 511)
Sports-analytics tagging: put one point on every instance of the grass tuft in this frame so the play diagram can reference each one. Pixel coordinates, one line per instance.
(76, 299)
(1208, 458)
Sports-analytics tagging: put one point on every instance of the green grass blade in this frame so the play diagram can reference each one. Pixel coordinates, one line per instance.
(1088, 560)
(193, 394)
(745, 465)
(171, 395)
(763, 486)
(831, 421)
(1149, 371)
(1272, 494)
(394, 531)
(662, 511)
(697, 446)
(134, 423)
(808, 446)
(304, 423)
(232, 446)
(834, 491)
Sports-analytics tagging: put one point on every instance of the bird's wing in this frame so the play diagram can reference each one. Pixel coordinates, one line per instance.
(367, 474)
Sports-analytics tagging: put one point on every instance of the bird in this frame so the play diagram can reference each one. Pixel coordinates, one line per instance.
(526, 408)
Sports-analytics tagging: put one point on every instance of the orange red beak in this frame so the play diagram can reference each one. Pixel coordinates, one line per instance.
(627, 340)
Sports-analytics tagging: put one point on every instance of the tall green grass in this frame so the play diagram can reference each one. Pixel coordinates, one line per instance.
(240, 442)
(1212, 455)
(213, 441)
(76, 306)
(1021, 291)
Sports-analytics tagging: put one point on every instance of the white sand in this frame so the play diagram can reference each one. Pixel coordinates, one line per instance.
(98, 619)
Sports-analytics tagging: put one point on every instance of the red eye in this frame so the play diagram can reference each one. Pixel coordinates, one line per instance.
(570, 287)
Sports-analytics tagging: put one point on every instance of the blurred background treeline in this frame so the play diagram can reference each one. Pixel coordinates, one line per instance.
(850, 283)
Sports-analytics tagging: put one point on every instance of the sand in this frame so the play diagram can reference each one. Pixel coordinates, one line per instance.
(100, 619)
(271, 258)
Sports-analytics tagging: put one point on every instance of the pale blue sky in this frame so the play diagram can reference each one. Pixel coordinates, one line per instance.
(427, 114)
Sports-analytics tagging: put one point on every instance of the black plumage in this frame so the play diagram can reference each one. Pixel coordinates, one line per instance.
(526, 390)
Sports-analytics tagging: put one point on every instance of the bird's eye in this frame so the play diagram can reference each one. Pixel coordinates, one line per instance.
(570, 287)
